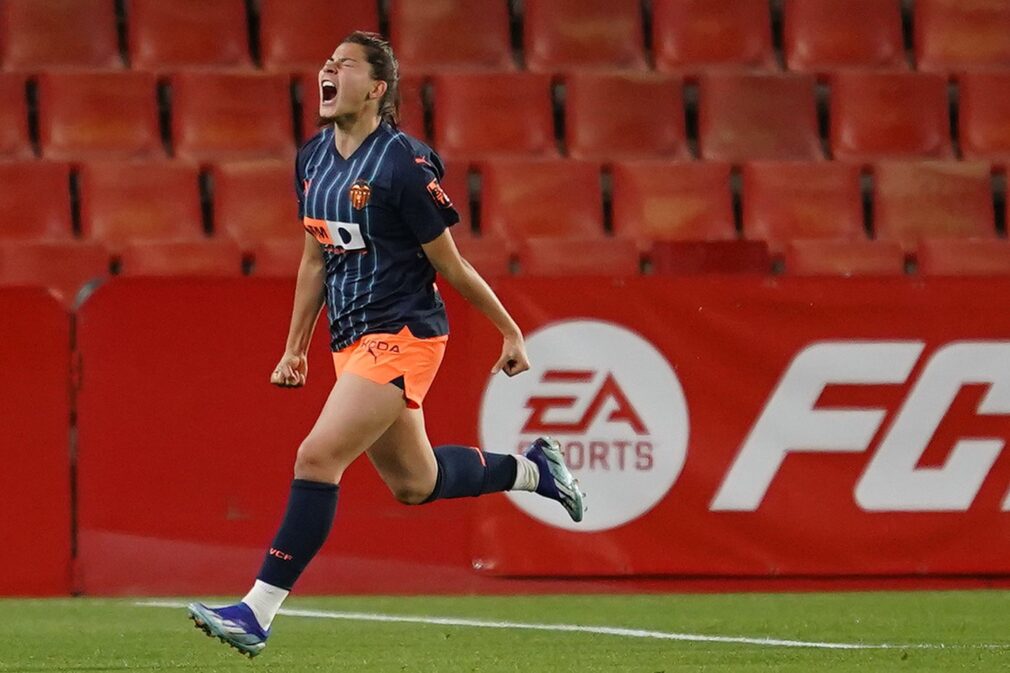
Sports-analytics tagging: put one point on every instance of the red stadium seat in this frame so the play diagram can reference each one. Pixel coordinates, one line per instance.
(824, 35)
(827, 257)
(90, 115)
(15, 142)
(932, 199)
(411, 105)
(889, 115)
(956, 35)
(308, 83)
(213, 121)
(702, 257)
(690, 36)
(783, 201)
(185, 33)
(64, 267)
(43, 34)
(142, 201)
(431, 36)
(525, 198)
(964, 257)
(277, 257)
(295, 36)
(578, 257)
(984, 115)
(661, 201)
(256, 200)
(219, 257)
(744, 117)
(479, 115)
(600, 123)
(571, 34)
(35, 201)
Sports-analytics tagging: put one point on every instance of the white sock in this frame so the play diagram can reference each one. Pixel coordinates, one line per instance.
(265, 600)
(527, 474)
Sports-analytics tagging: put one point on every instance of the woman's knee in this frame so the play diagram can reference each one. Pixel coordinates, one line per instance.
(411, 492)
(318, 462)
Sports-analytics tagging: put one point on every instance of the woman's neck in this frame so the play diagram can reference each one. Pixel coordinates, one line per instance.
(348, 133)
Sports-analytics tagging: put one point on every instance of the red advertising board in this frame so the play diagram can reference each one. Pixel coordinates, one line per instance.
(743, 427)
(35, 521)
(186, 451)
(722, 427)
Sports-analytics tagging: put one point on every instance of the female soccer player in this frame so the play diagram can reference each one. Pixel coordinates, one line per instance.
(376, 222)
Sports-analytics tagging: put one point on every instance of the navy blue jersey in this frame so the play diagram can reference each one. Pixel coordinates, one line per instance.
(370, 213)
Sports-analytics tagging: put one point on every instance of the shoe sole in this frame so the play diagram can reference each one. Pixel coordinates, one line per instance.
(572, 497)
(211, 631)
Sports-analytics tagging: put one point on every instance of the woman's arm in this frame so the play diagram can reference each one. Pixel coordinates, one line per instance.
(444, 256)
(293, 367)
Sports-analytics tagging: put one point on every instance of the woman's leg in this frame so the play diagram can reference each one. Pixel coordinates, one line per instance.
(356, 413)
(404, 459)
(416, 473)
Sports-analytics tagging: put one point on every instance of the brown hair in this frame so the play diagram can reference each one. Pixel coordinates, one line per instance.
(385, 68)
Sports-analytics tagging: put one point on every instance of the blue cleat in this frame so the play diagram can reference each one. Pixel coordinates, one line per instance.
(556, 481)
(234, 625)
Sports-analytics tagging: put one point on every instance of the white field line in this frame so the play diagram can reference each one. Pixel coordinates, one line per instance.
(577, 628)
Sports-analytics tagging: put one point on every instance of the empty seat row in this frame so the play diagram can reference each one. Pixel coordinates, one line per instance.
(125, 201)
(741, 117)
(84, 115)
(687, 35)
(782, 201)
(67, 268)
(37, 35)
(519, 200)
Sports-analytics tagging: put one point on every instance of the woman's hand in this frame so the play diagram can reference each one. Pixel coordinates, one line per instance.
(513, 358)
(291, 371)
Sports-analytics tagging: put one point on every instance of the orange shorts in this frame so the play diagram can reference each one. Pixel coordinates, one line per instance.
(400, 358)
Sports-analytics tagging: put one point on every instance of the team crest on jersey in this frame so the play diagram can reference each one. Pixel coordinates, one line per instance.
(360, 193)
(438, 194)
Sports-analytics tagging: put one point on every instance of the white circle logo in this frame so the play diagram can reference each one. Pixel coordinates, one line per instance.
(613, 402)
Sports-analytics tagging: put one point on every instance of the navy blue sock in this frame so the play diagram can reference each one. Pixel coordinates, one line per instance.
(466, 471)
(306, 524)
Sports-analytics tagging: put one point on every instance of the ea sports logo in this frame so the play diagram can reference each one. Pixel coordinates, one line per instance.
(613, 402)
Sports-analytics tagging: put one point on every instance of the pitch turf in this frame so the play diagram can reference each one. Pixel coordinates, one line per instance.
(930, 631)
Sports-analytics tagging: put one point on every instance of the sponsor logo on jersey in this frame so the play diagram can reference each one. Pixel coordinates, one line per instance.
(337, 237)
(438, 194)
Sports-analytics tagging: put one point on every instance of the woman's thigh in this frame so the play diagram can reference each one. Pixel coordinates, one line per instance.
(404, 458)
(356, 414)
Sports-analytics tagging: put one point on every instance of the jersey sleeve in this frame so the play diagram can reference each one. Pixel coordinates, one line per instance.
(300, 186)
(424, 206)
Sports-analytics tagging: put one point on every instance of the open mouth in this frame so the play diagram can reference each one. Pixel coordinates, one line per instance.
(329, 91)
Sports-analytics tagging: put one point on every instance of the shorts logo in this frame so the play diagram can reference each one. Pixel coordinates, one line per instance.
(439, 195)
(360, 193)
(375, 347)
(617, 408)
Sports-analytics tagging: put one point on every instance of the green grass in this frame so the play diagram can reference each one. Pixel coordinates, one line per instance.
(117, 635)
